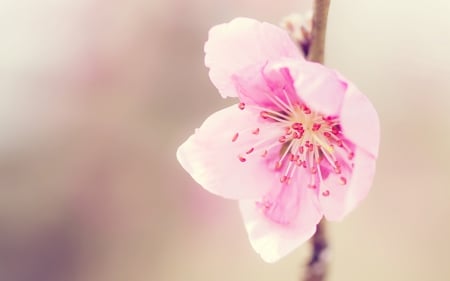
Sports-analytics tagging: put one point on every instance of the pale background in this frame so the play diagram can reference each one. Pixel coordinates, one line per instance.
(95, 97)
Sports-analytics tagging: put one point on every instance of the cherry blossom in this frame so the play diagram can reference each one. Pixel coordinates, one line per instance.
(301, 143)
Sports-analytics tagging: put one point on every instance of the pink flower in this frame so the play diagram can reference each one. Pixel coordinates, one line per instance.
(300, 145)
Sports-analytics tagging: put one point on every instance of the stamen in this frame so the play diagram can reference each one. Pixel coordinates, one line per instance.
(297, 135)
(351, 155)
(297, 126)
(312, 182)
(280, 114)
(276, 101)
(268, 114)
(278, 165)
(235, 137)
(286, 107)
(316, 127)
(284, 179)
(329, 157)
(288, 100)
(303, 138)
(286, 151)
(306, 110)
(337, 170)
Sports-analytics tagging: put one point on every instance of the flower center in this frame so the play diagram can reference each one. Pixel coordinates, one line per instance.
(309, 140)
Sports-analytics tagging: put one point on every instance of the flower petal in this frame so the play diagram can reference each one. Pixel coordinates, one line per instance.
(359, 121)
(343, 198)
(319, 87)
(270, 85)
(273, 240)
(211, 155)
(241, 43)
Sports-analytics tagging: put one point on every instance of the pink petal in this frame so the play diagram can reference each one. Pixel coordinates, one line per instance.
(269, 86)
(211, 156)
(359, 121)
(274, 240)
(320, 88)
(241, 43)
(342, 197)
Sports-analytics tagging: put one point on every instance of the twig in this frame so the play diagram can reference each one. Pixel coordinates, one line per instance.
(319, 27)
(318, 265)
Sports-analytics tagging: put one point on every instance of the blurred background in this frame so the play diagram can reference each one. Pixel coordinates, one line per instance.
(96, 96)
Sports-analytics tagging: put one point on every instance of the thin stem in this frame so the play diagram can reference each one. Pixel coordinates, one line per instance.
(318, 265)
(319, 27)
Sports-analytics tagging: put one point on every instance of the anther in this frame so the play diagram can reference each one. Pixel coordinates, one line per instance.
(278, 165)
(335, 129)
(241, 106)
(242, 158)
(282, 139)
(351, 155)
(297, 135)
(264, 114)
(326, 193)
(342, 180)
(306, 110)
(284, 179)
(255, 131)
(250, 150)
(297, 126)
(264, 153)
(316, 127)
(235, 137)
(312, 186)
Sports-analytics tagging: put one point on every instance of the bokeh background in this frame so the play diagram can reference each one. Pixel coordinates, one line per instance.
(95, 97)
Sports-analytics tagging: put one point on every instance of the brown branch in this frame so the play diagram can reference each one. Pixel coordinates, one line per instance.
(319, 27)
(318, 265)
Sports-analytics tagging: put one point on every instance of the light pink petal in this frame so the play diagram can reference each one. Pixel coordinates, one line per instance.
(320, 88)
(241, 43)
(211, 156)
(343, 197)
(274, 240)
(269, 86)
(359, 121)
